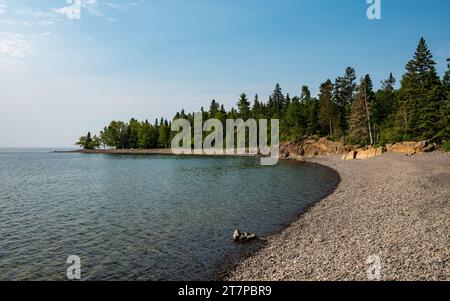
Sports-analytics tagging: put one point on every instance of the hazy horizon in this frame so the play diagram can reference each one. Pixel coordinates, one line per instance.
(61, 77)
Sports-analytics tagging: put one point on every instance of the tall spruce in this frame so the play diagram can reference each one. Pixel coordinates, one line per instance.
(257, 110)
(419, 95)
(243, 106)
(214, 109)
(276, 102)
(344, 90)
(358, 126)
(383, 107)
(327, 113)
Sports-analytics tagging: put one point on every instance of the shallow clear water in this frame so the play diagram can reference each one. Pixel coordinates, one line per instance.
(137, 217)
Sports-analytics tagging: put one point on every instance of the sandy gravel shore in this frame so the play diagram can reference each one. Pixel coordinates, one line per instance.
(393, 206)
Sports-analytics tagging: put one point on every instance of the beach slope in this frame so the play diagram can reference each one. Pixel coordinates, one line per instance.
(393, 206)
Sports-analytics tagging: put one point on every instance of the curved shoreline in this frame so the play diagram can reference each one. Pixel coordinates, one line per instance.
(225, 269)
(393, 206)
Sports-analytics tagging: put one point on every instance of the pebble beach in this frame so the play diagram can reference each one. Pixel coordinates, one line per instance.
(394, 207)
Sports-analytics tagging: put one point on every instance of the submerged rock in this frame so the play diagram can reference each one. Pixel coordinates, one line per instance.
(243, 236)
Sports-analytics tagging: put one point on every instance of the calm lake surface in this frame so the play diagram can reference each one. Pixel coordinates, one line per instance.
(138, 217)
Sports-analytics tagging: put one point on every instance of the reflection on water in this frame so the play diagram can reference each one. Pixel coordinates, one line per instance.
(140, 217)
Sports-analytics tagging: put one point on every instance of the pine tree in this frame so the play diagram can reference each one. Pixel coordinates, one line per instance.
(446, 81)
(310, 110)
(327, 117)
(293, 117)
(276, 102)
(419, 95)
(443, 136)
(243, 106)
(383, 107)
(257, 111)
(162, 137)
(343, 95)
(213, 109)
(133, 133)
(358, 126)
(369, 88)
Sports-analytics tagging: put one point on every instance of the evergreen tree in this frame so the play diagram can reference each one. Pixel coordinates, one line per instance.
(443, 136)
(446, 81)
(214, 109)
(276, 102)
(369, 89)
(420, 109)
(344, 89)
(257, 110)
(383, 107)
(293, 117)
(327, 113)
(419, 95)
(243, 106)
(145, 135)
(162, 135)
(358, 129)
(133, 133)
(310, 112)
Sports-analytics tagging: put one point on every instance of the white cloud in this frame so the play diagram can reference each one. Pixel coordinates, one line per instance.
(15, 45)
(36, 17)
(74, 10)
(28, 11)
(2, 6)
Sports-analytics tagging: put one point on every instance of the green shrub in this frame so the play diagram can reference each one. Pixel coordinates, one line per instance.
(447, 146)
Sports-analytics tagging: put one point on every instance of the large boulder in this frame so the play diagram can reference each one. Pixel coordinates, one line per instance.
(315, 147)
(402, 148)
(410, 148)
(349, 156)
(310, 147)
(363, 154)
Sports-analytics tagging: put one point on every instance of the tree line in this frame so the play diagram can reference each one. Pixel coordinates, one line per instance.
(345, 109)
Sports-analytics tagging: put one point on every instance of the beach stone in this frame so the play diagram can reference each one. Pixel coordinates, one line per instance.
(243, 236)
(421, 144)
(364, 154)
(430, 148)
(350, 156)
(394, 207)
(236, 235)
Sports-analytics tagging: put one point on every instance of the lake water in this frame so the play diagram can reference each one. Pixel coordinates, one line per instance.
(138, 217)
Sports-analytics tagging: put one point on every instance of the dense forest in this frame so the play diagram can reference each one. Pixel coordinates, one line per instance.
(346, 109)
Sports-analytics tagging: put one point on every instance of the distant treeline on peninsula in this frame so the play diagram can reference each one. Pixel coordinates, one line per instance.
(346, 109)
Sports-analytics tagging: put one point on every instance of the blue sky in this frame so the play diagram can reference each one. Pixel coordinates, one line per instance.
(60, 77)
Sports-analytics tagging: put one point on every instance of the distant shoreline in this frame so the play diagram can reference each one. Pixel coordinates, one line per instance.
(166, 152)
(120, 151)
